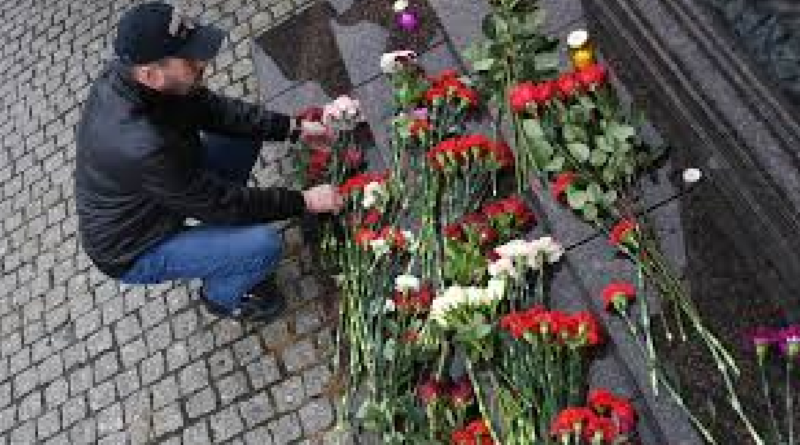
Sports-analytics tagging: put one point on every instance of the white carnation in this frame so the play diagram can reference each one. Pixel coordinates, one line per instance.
(372, 194)
(503, 267)
(405, 283)
(379, 246)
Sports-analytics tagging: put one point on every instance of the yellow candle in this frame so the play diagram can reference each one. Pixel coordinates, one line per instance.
(581, 49)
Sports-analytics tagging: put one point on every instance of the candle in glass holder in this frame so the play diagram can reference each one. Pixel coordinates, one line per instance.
(581, 49)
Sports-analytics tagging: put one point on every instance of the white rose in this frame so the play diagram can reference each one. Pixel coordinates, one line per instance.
(394, 61)
(389, 306)
(503, 267)
(379, 247)
(405, 283)
(513, 249)
(692, 175)
(496, 289)
(400, 5)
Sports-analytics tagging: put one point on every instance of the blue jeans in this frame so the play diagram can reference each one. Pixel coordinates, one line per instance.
(229, 259)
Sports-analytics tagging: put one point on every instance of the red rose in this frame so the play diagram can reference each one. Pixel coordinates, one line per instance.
(461, 393)
(544, 92)
(454, 231)
(561, 184)
(567, 85)
(592, 76)
(487, 235)
(521, 95)
(617, 296)
(353, 157)
(420, 127)
(364, 236)
(430, 391)
(623, 232)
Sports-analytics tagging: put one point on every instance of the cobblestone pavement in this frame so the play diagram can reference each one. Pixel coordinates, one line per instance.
(85, 360)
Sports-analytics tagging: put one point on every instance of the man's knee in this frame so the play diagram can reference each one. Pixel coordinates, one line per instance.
(267, 242)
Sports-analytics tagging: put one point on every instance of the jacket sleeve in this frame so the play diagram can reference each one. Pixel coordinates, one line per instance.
(234, 117)
(199, 195)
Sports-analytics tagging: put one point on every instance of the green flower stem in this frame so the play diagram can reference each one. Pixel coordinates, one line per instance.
(767, 393)
(645, 316)
(479, 398)
(790, 400)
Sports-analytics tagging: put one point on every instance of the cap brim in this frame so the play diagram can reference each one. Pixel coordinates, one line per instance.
(203, 44)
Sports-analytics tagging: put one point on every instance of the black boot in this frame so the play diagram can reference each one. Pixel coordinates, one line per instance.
(264, 303)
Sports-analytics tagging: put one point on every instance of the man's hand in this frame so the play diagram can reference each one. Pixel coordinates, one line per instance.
(323, 199)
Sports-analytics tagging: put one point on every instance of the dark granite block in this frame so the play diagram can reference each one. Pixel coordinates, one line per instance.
(376, 99)
(304, 95)
(361, 45)
(562, 15)
(461, 19)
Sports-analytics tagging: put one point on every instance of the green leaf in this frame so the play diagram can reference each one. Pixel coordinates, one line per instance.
(595, 192)
(495, 26)
(590, 212)
(576, 198)
(602, 143)
(610, 197)
(621, 132)
(556, 164)
(546, 61)
(483, 330)
(579, 150)
(598, 158)
(586, 103)
(533, 128)
(483, 64)
(389, 349)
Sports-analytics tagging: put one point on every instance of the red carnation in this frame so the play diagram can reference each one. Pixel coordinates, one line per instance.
(517, 207)
(592, 76)
(600, 429)
(364, 236)
(372, 217)
(623, 232)
(454, 231)
(561, 184)
(617, 296)
(420, 127)
(570, 420)
(567, 85)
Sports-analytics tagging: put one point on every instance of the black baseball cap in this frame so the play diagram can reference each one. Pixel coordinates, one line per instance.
(156, 30)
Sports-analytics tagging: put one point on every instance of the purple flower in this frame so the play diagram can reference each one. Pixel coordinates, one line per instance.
(762, 338)
(789, 341)
(420, 113)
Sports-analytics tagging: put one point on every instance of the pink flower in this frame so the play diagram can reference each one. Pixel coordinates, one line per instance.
(789, 341)
(430, 391)
(461, 392)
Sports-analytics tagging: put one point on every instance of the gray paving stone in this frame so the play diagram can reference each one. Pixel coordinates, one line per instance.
(177, 355)
(109, 420)
(73, 411)
(201, 344)
(226, 424)
(106, 366)
(289, 394)
(138, 416)
(80, 380)
(153, 312)
(184, 324)
(263, 372)
(99, 342)
(316, 379)
(197, 434)
(307, 320)
(167, 420)
(60, 439)
(133, 353)
(8, 417)
(193, 377)
(248, 349)
(56, 393)
(51, 368)
(299, 355)
(113, 310)
(75, 355)
(275, 334)
(30, 407)
(24, 433)
(84, 432)
(231, 387)
(5, 394)
(165, 392)
(127, 382)
(256, 410)
(118, 438)
(285, 429)
(201, 403)
(227, 331)
(316, 416)
(102, 395)
(25, 382)
(159, 337)
(221, 362)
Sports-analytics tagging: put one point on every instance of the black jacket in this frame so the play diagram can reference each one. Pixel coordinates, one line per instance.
(139, 174)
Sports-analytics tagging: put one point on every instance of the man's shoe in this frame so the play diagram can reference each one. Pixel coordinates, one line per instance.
(251, 309)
